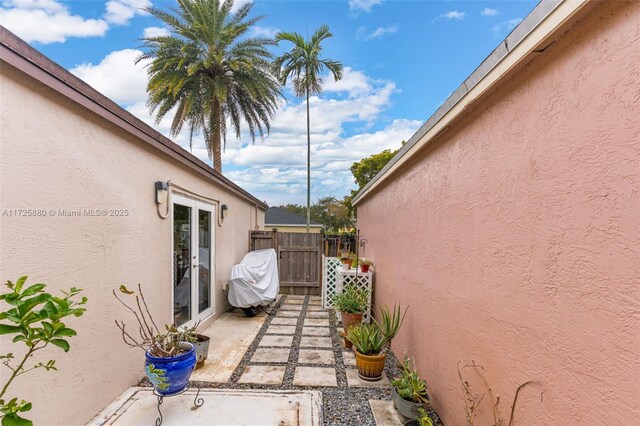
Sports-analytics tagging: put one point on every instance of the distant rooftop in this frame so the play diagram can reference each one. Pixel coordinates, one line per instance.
(279, 216)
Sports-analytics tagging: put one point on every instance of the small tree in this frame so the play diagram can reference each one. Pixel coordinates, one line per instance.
(35, 320)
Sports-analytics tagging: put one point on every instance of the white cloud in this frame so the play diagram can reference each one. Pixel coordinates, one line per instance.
(487, 11)
(500, 28)
(364, 34)
(363, 5)
(259, 31)
(117, 76)
(353, 82)
(453, 14)
(155, 32)
(237, 4)
(120, 12)
(47, 21)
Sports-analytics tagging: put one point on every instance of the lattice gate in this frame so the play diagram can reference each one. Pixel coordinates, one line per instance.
(334, 278)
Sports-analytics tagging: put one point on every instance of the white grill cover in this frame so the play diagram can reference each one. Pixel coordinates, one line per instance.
(254, 281)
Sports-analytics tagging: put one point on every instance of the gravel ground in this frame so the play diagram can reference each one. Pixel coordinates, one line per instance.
(342, 405)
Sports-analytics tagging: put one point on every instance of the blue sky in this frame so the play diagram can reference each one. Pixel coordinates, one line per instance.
(402, 60)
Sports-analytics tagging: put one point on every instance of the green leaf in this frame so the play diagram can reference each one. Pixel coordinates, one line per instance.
(61, 343)
(26, 407)
(36, 288)
(18, 287)
(19, 338)
(67, 332)
(8, 329)
(15, 420)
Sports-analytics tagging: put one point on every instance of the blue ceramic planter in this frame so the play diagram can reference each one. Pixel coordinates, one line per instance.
(171, 375)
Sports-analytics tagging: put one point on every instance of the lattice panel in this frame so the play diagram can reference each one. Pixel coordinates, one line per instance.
(334, 278)
(331, 281)
(364, 281)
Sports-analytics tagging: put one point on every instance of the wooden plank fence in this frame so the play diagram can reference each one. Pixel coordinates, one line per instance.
(300, 259)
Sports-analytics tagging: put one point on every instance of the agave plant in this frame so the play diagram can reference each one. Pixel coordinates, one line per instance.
(390, 324)
(375, 339)
(367, 338)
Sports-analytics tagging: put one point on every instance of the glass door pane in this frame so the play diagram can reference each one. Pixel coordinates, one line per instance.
(204, 256)
(181, 263)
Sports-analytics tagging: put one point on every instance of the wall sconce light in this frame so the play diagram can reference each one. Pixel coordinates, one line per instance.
(162, 192)
(224, 211)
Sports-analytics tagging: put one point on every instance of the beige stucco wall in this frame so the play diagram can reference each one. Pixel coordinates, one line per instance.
(56, 155)
(515, 237)
(300, 229)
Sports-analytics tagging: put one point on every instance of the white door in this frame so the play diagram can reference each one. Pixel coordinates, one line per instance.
(193, 260)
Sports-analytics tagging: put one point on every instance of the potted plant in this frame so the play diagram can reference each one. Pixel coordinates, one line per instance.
(351, 302)
(422, 419)
(365, 265)
(200, 341)
(170, 357)
(409, 391)
(372, 342)
(346, 259)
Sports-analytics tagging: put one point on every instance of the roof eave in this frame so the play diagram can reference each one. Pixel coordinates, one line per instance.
(528, 38)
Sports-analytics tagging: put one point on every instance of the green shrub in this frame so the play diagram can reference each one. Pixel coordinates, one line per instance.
(352, 300)
(36, 320)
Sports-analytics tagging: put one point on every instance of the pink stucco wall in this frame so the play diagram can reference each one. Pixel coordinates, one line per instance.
(515, 237)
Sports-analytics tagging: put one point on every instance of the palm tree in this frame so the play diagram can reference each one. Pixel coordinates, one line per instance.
(211, 72)
(304, 65)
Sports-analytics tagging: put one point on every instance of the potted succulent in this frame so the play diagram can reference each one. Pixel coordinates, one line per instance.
(422, 419)
(372, 342)
(351, 302)
(170, 357)
(365, 265)
(409, 391)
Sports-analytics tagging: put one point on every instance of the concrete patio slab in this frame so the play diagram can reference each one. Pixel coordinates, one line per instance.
(315, 298)
(222, 407)
(316, 356)
(280, 341)
(262, 375)
(315, 331)
(354, 381)
(314, 308)
(270, 355)
(315, 342)
(294, 302)
(288, 314)
(231, 335)
(315, 302)
(316, 322)
(384, 414)
(295, 297)
(317, 314)
(284, 321)
(281, 329)
(286, 307)
(349, 358)
(315, 376)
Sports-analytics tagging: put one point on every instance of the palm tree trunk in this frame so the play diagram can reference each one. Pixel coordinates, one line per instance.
(216, 142)
(308, 165)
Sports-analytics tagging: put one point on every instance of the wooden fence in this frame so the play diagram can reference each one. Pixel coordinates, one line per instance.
(299, 259)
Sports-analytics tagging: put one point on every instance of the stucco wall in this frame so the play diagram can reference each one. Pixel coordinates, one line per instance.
(515, 237)
(56, 155)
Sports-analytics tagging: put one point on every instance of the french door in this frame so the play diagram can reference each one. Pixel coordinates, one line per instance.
(193, 260)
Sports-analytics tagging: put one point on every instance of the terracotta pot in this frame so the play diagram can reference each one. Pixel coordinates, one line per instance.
(346, 263)
(364, 268)
(350, 319)
(347, 344)
(370, 367)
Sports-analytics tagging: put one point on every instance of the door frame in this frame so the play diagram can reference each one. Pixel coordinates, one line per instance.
(195, 205)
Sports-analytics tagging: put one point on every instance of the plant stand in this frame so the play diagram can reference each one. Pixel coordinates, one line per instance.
(197, 402)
